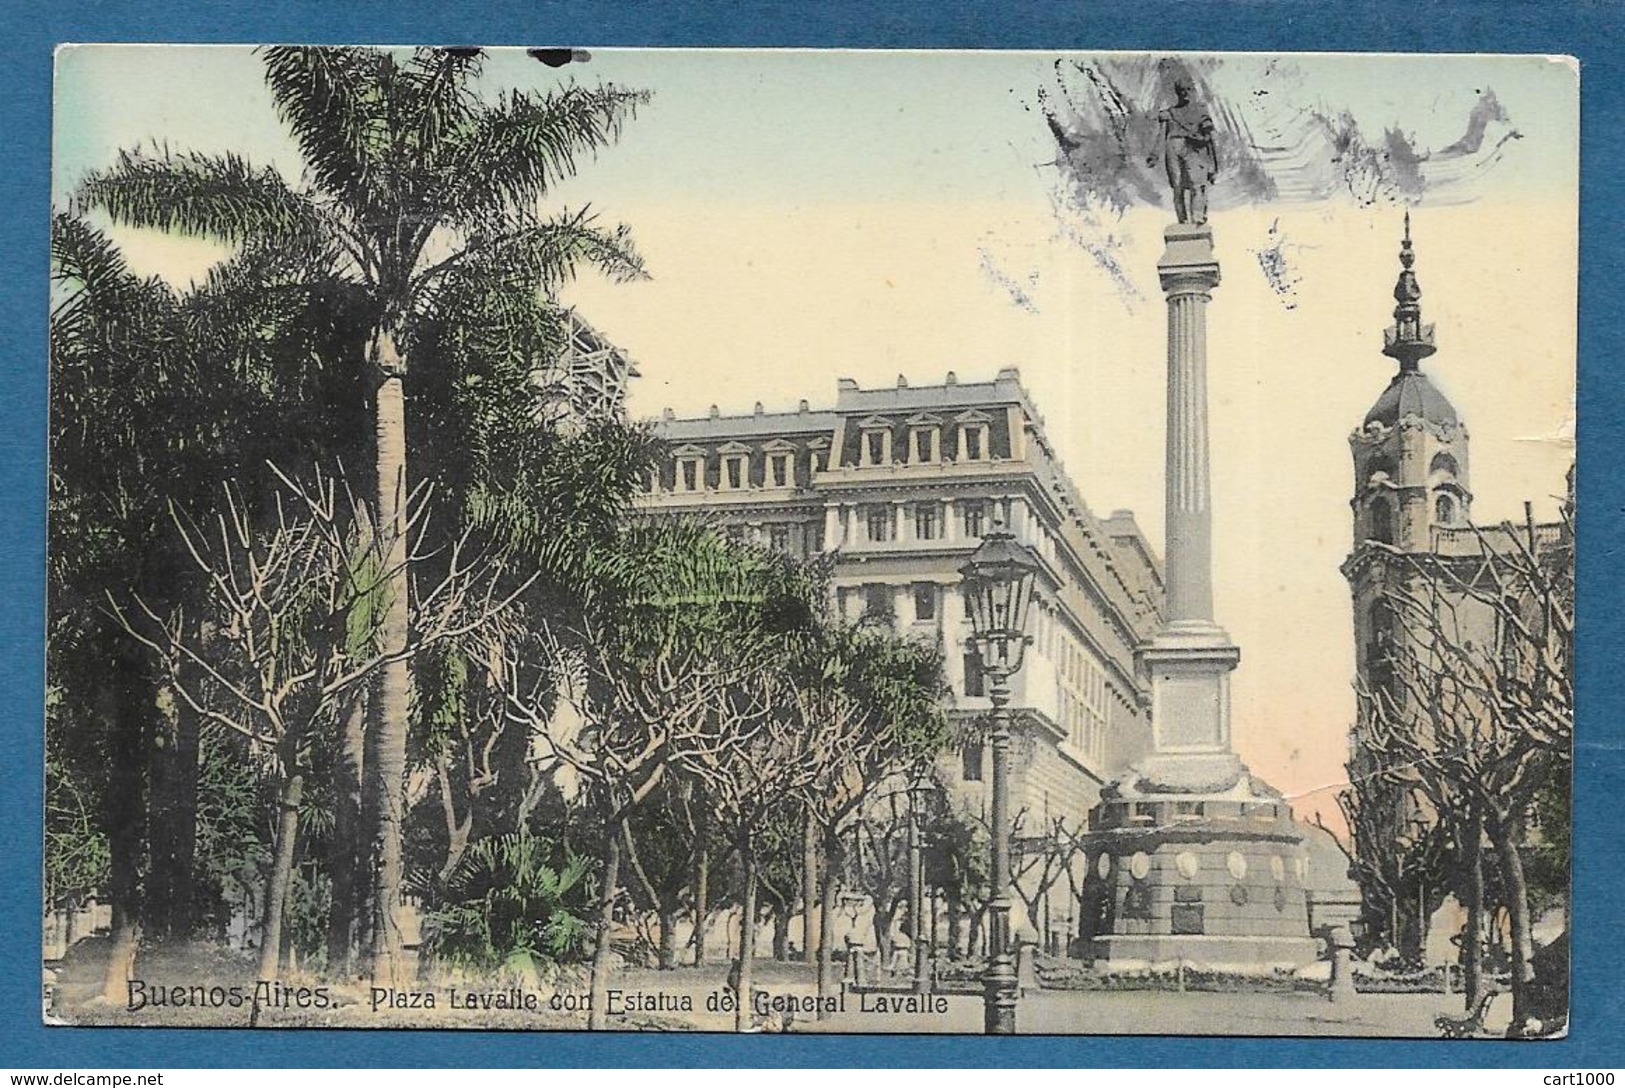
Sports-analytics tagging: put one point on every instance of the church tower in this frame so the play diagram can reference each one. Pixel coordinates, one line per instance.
(1410, 481)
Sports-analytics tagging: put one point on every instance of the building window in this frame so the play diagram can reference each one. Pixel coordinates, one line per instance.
(973, 675)
(815, 538)
(880, 524)
(925, 601)
(925, 446)
(778, 466)
(973, 441)
(975, 515)
(1444, 511)
(779, 537)
(927, 525)
(875, 447)
(690, 472)
(815, 463)
(877, 602)
(973, 761)
(1382, 521)
(734, 471)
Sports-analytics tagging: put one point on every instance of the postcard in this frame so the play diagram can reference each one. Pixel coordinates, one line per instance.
(811, 541)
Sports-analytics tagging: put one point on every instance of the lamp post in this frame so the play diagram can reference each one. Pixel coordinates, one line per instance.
(918, 784)
(998, 588)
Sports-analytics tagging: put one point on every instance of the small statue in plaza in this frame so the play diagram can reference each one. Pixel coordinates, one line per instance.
(1189, 153)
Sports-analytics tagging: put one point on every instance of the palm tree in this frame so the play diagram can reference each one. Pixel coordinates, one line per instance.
(414, 186)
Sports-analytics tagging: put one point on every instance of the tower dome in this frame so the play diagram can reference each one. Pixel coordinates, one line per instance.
(1411, 394)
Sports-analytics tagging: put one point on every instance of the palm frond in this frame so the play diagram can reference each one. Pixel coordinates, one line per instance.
(439, 101)
(331, 99)
(527, 143)
(542, 255)
(222, 198)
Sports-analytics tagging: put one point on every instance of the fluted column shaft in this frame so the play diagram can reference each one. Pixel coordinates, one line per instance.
(1189, 510)
(1189, 273)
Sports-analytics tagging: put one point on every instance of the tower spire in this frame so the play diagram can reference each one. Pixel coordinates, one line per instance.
(1407, 340)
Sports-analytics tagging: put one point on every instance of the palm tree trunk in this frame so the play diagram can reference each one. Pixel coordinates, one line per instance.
(598, 988)
(276, 895)
(393, 693)
(124, 708)
(172, 816)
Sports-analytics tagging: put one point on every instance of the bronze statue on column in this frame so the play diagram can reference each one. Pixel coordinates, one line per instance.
(1190, 154)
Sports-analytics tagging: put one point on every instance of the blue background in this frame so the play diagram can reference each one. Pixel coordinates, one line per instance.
(1586, 29)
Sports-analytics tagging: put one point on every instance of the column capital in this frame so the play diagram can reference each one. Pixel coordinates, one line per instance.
(1188, 265)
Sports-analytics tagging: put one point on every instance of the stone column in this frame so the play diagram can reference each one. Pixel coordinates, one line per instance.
(1190, 658)
(1189, 272)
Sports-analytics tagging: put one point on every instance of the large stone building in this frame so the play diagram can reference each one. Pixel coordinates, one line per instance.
(898, 485)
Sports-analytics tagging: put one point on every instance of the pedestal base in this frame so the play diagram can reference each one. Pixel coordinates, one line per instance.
(1230, 954)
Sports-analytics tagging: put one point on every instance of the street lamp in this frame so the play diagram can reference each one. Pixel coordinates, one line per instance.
(998, 589)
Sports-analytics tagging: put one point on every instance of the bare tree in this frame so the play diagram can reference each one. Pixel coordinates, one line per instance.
(660, 666)
(872, 703)
(285, 628)
(1042, 860)
(1476, 708)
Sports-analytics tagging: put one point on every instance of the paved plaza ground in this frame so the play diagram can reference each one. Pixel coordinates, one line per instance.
(698, 999)
(1076, 1012)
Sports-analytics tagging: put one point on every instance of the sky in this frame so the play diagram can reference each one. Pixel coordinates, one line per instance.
(807, 216)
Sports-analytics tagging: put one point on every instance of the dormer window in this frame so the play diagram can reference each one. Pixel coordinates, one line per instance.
(971, 431)
(817, 458)
(778, 464)
(975, 442)
(735, 466)
(690, 469)
(876, 441)
(1444, 510)
(923, 431)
